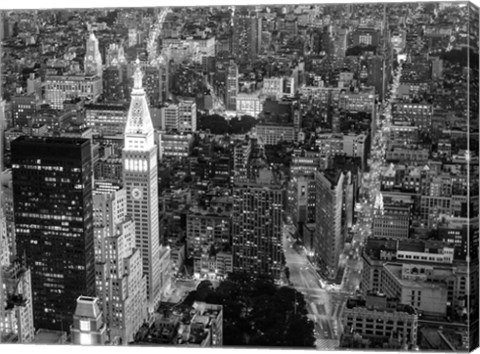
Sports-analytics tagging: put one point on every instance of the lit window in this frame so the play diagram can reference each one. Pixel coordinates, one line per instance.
(84, 325)
(85, 339)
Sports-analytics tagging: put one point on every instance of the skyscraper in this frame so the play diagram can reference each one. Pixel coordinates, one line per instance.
(140, 181)
(121, 285)
(16, 325)
(52, 192)
(247, 37)
(257, 226)
(93, 58)
(328, 242)
(232, 87)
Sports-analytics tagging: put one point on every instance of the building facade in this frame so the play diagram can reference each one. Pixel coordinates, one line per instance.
(257, 228)
(88, 327)
(54, 223)
(328, 242)
(140, 180)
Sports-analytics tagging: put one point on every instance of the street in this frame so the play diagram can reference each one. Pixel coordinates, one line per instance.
(321, 305)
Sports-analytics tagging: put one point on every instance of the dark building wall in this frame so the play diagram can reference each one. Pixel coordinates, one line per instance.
(53, 209)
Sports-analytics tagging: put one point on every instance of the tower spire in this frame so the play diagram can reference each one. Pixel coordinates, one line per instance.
(137, 76)
(139, 122)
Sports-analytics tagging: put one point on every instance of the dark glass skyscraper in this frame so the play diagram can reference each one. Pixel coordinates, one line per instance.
(52, 191)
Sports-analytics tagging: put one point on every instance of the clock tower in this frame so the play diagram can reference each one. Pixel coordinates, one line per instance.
(141, 183)
(93, 58)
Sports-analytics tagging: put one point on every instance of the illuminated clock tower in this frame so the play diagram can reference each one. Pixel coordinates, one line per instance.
(93, 58)
(141, 183)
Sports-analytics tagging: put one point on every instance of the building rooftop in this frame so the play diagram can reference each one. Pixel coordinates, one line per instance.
(45, 336)
(87, 306)
(396, 270)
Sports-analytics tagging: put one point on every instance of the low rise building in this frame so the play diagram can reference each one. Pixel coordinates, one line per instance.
(379, 318)
(272, 134)
(88, 327)
(411, 283)
(174, 144)
(59, 89)
(106, 119)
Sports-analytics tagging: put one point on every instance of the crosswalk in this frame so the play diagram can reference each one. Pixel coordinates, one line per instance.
(326, 344)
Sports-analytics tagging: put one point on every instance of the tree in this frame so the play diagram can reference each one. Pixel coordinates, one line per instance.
(256, 312)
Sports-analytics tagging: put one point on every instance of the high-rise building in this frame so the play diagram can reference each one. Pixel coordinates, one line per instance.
(93, 58)
(155, 81)
(24, 109)
(16, 324)
(52, 192)
(113, 85)
(242, 151)
(8, 222)
(232, 87)
(328, 242)
(247, 37)
(115, 55)
(187, 110)
(257, 226)
(141, 183)
(120, 283)
(170, 117)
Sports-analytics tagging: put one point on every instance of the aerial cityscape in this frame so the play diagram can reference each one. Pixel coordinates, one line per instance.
(268, 176)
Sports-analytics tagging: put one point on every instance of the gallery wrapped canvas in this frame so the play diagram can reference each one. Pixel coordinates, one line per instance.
(300, 176)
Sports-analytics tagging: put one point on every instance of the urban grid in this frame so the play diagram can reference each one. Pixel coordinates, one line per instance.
(294, 176)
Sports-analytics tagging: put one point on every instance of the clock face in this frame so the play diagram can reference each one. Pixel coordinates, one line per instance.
(136, 194)
(136, 109)
(90, 57)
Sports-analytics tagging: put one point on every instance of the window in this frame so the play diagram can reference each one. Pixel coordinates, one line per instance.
(84, 325)
(85, 339)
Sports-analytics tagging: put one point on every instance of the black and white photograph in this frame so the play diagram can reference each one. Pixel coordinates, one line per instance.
(300, 176)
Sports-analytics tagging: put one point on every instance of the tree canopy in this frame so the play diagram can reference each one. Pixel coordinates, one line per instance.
(258, 313)
(219, 125)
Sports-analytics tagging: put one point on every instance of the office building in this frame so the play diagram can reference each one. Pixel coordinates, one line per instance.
(231, 87)
(120, 283)
(329, 240)
(54, 223)
(59, 89)
(187, 115)
(16, 323)
(416, 285)
(379, 318)
(208, 235)
(106, 119)
(393, 221)
(250, 104)
(93, 58)
(174, 145)
(247, 36)
(141, 184)
(273, 133)
(257, 226)
(242, 151)
(170, 117)
(113, 83)
(24, 110)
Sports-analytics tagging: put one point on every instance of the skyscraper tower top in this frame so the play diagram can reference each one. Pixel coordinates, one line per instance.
(93, 58)
(139, 127)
